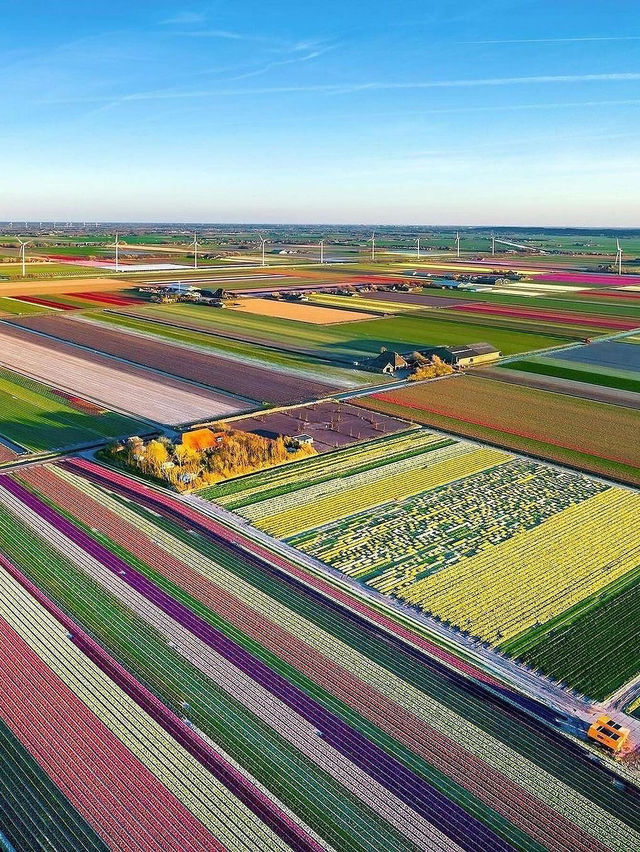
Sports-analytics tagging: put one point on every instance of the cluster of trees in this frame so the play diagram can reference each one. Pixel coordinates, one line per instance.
(428, 368)
(184, 468)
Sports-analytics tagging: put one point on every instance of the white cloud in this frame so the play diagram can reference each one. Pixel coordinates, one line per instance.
(185, 18)
(353, 88)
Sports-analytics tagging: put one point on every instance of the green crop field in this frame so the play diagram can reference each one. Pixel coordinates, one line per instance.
(570, 647)
(15, 306)
(367, 337)
(560, 301)
(46, 270)
(34, 417)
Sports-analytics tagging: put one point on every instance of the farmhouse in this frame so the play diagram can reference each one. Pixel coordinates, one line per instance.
(385, 362)
(464, 355)
(457, 356)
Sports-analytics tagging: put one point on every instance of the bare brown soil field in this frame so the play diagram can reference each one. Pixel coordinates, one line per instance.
(587, 434)
(302, 313)
(119, 387)
(330, 424)
(225, 374)
(59, 285)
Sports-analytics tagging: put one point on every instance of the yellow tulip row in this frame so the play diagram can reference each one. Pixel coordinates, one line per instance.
(337, 463)
(398, 543)
(353, 500)
(537, 574)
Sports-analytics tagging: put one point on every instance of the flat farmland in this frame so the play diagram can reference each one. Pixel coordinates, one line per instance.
(11, 305)
(43, 270)
(330, 424)
(557, 379)
(521, 554)
(363, 303)
(516, 552)
(609, 354)
(353, 737)
(76, 301)
(271, 332)
(119, 387)
(561, 317)
(604, 303)
(250, 495)
(58, 285)
(40, 304)
(296, 360)
(7, 454)
(37, 418)
(224, 374)
(574, 648)
(355, 339)
(301, 312)
(595, 436)
(248, 277)
(610, 367)
(419, 299)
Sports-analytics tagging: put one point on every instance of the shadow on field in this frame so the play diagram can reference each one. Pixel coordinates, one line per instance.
(58, 430)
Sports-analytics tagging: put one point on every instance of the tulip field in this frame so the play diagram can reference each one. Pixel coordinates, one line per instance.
(589, 435)
(255, 490)
(400, 543)
(364, 491)
(399, 641)
(171, 684)
(510, 551)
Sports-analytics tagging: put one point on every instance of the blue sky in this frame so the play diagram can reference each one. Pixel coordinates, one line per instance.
(491, 111)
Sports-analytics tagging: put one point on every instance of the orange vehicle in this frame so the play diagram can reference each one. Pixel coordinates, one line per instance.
(609, 733)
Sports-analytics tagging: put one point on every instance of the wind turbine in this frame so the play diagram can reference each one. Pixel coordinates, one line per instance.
(373, 245)
(418, 241)
(619, 257)
(116, 245)
(263, 243)
(493, 243)
(23, 246)
(321, 251)
(195, 250)
(457, 243)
